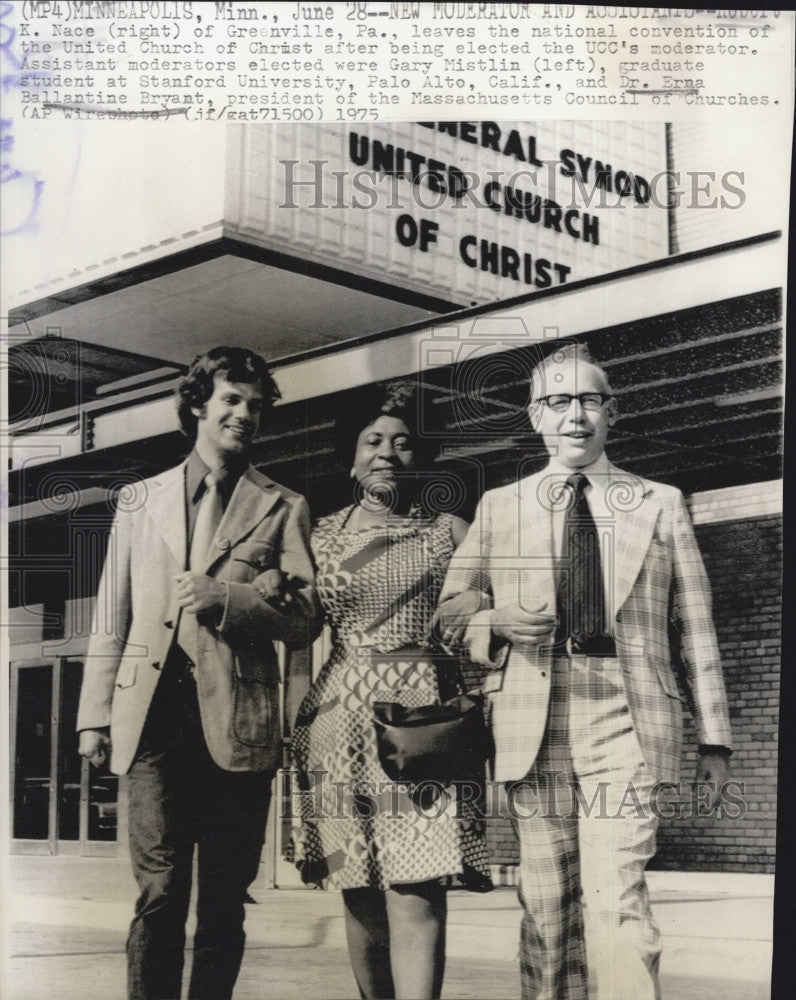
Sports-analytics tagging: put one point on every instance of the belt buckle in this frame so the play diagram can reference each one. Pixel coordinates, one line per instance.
(607, 653)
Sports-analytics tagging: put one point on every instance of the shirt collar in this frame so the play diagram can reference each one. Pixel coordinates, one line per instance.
(196, 469)
(599, 467)
(195, 472)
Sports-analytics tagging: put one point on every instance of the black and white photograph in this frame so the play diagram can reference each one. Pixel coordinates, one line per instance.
(392, 503)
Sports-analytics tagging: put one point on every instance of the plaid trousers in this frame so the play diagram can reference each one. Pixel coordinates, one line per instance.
(586, 833)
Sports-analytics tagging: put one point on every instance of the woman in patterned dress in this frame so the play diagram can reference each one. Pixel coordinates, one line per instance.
(381, 564)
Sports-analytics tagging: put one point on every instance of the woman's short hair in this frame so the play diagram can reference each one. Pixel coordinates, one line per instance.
(235, 364)
(406, 400)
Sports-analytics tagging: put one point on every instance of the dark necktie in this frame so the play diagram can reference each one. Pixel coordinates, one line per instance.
(580, 597)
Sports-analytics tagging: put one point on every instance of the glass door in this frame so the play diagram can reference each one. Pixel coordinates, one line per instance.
(33, 784)
(61, 803)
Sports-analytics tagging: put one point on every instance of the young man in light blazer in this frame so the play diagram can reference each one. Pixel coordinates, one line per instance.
(181, 682)
(584, 575)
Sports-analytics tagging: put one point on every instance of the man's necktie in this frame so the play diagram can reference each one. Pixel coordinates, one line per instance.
(208, 518)
(580, 596)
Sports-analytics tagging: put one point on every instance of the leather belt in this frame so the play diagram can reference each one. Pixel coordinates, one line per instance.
(603, 645)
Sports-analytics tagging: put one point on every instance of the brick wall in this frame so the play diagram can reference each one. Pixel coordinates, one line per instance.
(743, 560)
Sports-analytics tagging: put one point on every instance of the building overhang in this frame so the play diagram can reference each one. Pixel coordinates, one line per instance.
(725, 361)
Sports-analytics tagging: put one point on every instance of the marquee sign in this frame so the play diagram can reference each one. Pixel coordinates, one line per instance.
(471, 212)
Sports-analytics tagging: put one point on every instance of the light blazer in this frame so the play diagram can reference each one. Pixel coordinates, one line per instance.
(237, 675)
(662, 596)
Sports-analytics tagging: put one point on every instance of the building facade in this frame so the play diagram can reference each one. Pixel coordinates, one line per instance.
(475, 247)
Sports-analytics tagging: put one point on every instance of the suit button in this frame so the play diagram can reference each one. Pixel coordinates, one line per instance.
(544, 673)
(223, 542)
(156, 666)
(169, 624)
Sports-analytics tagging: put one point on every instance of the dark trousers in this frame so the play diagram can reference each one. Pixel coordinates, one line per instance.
(180, 798)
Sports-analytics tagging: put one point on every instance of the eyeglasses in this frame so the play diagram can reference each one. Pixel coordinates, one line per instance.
(560, 402)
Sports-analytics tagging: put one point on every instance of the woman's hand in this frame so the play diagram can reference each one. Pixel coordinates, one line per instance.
(453, 616)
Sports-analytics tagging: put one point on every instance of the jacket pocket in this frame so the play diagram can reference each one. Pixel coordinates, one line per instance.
(126, 674)
(257, 555)
(668, 680)
(255, 714)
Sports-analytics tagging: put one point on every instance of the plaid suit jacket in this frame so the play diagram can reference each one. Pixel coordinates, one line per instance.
(661, 609)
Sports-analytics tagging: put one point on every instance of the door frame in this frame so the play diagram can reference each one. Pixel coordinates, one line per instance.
(22, 657)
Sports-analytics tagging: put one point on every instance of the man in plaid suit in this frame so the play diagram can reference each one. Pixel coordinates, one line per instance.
(591, 597)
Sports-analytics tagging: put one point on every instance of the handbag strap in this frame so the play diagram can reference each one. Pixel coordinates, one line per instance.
(448, 665)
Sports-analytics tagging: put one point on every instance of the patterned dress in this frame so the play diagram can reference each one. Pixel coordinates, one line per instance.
(379, 588)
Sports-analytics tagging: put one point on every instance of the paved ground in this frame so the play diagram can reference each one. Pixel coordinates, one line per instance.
(68, 918)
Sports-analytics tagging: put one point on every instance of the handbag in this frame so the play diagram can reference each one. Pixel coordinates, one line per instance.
(441, 743)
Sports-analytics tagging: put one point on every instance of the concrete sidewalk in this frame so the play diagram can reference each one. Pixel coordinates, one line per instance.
(67, 920)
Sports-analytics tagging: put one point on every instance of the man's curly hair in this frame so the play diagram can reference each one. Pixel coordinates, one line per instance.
(235, 364)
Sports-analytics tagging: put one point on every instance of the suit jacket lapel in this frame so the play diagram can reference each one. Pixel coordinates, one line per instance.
(636, 517)
(636, 511)
(247, 506)
(166, 506)
(536, 544)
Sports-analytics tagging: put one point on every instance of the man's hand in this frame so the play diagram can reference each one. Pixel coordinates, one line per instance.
(521, 627)
(713, 770)
(197, 592)
(95, 745)
(277, 587)
(452, 617)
